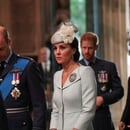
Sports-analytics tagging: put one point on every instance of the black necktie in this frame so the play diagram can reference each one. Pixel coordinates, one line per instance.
(90, 63)
(2, 66)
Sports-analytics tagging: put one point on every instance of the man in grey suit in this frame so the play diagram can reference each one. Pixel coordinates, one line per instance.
(109, 88)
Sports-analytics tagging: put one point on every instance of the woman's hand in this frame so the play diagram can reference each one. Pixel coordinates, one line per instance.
(121, 125)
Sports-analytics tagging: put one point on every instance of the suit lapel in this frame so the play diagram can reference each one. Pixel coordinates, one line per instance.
(98, 65)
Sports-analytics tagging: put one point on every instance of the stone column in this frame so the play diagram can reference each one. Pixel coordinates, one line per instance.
(115, 46)
(23, 20)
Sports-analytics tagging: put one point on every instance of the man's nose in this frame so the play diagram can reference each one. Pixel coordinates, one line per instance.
(87, 50)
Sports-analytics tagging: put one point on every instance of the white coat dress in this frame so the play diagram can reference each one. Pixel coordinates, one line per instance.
(74, 104)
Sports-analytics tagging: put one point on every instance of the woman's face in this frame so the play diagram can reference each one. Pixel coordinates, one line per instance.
(63, 53)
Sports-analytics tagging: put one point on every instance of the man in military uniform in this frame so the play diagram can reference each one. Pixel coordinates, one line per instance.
(109, 85)
(21, 88)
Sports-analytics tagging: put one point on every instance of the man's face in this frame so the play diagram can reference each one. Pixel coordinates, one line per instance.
(4, 45)
(43, 55)
(88, 49)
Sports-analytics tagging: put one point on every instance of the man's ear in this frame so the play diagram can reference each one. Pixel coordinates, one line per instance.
(9, 42)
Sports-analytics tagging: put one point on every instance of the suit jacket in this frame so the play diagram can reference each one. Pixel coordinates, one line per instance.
(126, 113)
(31, 97)
(74, 103)
(3, 116)
(109, 87)
(46, 76)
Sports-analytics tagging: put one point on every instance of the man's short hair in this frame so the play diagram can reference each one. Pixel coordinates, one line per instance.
(90, 36)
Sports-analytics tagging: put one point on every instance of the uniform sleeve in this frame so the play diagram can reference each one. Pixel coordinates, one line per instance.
(34, 83)
(89, 93)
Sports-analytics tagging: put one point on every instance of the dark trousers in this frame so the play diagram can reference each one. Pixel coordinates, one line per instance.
(103, 122)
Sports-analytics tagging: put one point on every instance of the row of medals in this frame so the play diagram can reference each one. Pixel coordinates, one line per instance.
(15, 82)
(102, 78)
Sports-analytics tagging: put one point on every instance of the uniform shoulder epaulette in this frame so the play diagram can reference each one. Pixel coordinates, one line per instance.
(25, 57)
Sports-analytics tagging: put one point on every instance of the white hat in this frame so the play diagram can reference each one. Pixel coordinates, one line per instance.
(65, 33)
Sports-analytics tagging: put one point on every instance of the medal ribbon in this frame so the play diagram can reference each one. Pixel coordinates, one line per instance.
(6, 85)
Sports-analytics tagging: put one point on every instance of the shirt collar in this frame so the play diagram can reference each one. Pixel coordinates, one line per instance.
(87, 62)
(7, 59)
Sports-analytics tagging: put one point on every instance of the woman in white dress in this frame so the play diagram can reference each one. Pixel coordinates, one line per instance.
(74, 97)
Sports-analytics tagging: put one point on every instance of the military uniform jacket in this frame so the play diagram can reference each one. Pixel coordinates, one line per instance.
(27, 97)
(109, 87)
